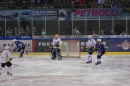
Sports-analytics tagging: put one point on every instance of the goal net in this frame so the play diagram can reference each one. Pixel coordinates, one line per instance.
(70, 48)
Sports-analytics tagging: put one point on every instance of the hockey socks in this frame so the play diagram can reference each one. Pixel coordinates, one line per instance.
(9, 72)
(0, 70)
(89, 59)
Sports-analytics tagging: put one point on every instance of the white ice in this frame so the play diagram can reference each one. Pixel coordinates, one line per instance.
(42, 71)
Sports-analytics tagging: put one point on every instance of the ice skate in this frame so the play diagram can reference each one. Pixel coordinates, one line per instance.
(59, 58)
(26, 52)
(9, 73)
(20, 55)
(89, 62)
(97, 63)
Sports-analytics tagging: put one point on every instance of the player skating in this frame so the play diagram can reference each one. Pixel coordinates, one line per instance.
(90, 46)
(6, 57)
(20, 47)
(101, 48)
(56, 44)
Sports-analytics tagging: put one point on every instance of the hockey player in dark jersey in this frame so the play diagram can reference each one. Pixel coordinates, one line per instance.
(20, 47)
(101, 48)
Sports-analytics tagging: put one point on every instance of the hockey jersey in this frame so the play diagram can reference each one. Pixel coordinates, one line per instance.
(5, 56)
(91, 43)
(56, 42)
(101, 47)
(19, 44)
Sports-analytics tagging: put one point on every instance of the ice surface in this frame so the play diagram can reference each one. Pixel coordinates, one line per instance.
(42, 71)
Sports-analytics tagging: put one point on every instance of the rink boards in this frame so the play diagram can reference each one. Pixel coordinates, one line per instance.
(81, 53)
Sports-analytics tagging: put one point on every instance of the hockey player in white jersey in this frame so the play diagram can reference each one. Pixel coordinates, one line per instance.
(90, 46)
(6, 57)
(56, 44)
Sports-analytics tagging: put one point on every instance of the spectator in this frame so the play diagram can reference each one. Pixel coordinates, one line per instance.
(102, 32)
(68, 5)
(68, 15)
(9, 31)
(1, 31)
(40, 2)
(106, 4)
(118, 29)
(45, 5)
(94, 4)
(24, 23)
(22, 31)
(101, 2)
(113, 5)
(108, 29)
(34, 31)
(15, 32)
(115, 1)
(76, 4)
(72, 3)
(120, 5)
(123, 33)
(28, 31)
(127, 3)
(68, 28)
(88, 3)
(93, 32)
(50, 3)
(43, 32)
(32, 2)
(82, 3)
(24, 5)
(11, 5)
(76, 31)
(62, 4)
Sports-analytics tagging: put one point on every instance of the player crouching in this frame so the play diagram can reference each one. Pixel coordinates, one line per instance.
(101, 48)
(6, 57)
(20, 47)
(56, 44)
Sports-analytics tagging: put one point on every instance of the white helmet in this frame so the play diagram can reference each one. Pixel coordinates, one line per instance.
(14, 40)
(90, 36)
(7, 47)
(99, 40)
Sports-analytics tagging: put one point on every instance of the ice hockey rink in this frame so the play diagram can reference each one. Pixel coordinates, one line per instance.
(42, 71)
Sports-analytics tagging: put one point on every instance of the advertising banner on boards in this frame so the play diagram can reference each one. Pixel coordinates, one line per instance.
(120, 45)
(3, 43)
(28, 14)
(93, 14)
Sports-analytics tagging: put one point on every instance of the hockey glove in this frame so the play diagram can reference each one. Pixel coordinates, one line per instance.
(59, 47)
(11, 59)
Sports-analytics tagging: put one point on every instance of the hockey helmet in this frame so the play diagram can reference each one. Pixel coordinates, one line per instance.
(98, 40)
(14, 40)
(56, 36)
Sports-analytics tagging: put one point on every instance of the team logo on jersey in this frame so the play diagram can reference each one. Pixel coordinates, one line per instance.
(125, 45)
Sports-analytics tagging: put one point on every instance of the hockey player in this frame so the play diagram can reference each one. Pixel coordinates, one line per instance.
(101, 48)
(6, 57)
(56, 44)
(20, 47)
(90, 46)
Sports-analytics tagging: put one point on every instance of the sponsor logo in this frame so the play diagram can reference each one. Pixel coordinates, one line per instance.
(125, 45)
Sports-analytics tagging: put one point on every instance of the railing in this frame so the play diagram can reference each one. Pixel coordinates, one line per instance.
(50, 26)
